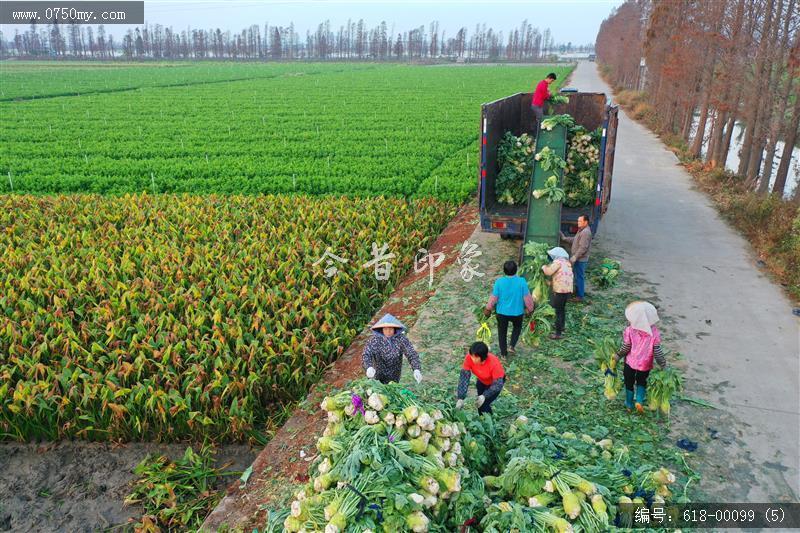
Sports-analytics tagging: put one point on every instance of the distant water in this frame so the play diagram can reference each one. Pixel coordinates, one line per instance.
(792, 180)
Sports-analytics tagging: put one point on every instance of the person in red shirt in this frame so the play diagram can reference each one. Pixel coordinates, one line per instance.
(489, 373)
(541, 95)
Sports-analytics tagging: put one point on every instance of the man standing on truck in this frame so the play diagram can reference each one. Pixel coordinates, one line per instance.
(540, 96)
(580, 245)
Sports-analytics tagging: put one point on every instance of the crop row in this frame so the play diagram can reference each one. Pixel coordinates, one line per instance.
(171, 317)
(29, 80)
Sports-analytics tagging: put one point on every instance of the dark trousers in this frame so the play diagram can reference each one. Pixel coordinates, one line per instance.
(633, 376)
(559, 302)
(487, 404)
(502, 331)
(538, 114)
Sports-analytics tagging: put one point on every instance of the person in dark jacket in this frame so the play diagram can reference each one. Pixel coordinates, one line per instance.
(581, 244)
(489, 373)
(383, 354)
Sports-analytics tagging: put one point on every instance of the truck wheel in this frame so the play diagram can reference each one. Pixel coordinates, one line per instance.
(505, 236)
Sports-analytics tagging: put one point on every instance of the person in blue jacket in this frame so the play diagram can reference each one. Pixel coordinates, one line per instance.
(512, 298)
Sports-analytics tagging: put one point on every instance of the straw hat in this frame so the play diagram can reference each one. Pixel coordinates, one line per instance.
(388, 321)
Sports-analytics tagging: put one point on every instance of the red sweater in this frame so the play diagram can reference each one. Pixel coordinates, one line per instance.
(541, 94)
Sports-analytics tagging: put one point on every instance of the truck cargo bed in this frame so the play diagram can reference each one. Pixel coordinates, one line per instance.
(514, 114)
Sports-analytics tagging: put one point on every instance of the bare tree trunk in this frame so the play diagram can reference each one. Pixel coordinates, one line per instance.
(778, 128)
(688, 118)
(769, 123)
(788, 148)
(697, 144)
(726, 141)
(752, 107)
(717, 122)
(769, 161)
(729, 108)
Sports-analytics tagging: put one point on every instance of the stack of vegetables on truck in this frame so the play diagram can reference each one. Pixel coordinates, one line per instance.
(514, 158)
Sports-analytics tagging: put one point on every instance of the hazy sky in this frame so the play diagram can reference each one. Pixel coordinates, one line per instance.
(569, 20)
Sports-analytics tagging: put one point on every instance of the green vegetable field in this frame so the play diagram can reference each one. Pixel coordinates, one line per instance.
(315, 129)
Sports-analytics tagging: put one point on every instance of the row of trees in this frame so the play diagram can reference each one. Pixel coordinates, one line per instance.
(353, 41)
(713, 67)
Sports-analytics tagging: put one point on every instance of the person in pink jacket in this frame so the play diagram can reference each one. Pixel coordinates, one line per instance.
(641, 344)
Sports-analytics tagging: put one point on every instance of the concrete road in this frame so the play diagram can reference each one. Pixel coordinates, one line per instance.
(739, 338)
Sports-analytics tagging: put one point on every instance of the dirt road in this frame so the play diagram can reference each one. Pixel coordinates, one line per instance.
(740, 338)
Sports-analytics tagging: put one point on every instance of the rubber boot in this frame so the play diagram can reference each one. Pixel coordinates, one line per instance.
(640, 398)
(629, 399)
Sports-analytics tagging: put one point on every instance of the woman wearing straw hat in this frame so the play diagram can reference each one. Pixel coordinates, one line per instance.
(383, 354)
(560, 270)
(641, 343)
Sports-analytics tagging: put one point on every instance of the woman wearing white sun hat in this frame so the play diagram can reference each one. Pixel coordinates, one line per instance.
(641, 344)
(383, 354)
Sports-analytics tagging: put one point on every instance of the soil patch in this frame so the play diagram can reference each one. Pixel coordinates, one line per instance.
(80, 486)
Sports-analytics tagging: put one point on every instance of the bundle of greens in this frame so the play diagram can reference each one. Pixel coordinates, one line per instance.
(540, 324)
(606, 275)
(535, 258)
(549, 160)
(515, 167)
(177, 494)
(551, 191)
(387, 462)
(583, 160)
(604, 351)
(479, 440)
(570, 482)
(556, 99)
(662, 385)
(505, 517)
(558, 120)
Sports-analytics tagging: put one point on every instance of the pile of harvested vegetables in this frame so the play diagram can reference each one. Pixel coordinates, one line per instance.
(389, 461)
(515, 168)
(582, 164)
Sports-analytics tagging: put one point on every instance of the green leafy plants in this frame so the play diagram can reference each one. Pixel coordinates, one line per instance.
(549, 160)
(582, 164)
(515, 162)
(662, 386)
(175, 494)
(386, 462)
(606, 274)
(236, 128)
(604, 352)
(551, 191)
(558, 120)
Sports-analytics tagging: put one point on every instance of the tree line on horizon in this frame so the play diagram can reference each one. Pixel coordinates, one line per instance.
(709, 69)
(352, 41)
